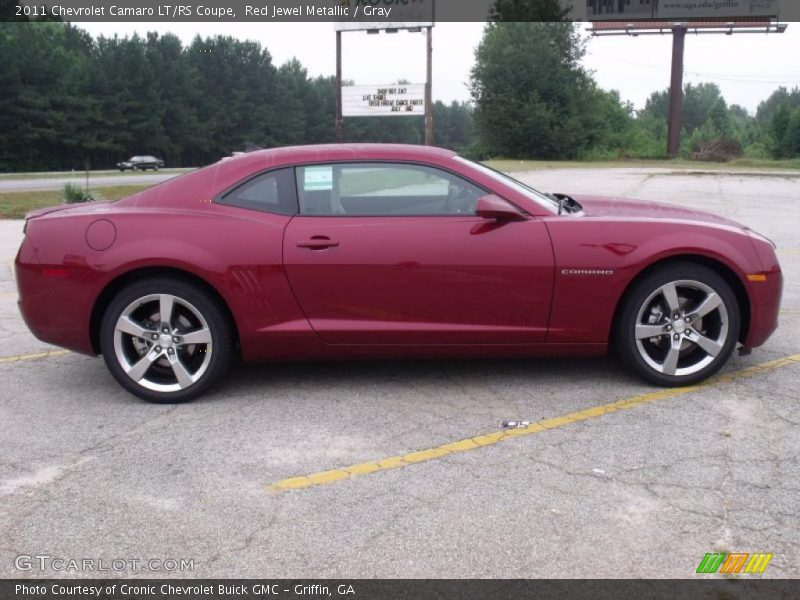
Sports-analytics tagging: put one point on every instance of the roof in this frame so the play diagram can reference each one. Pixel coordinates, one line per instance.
(338, 151)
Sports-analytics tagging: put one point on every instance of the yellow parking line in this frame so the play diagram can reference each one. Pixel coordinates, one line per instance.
(489, 439)
(33, 356)
(4, 294)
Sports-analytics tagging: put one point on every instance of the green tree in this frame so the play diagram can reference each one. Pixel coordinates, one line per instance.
(720, 120)
(36, 76)
(767, 109)
(320, 110)
(791, 139)
(453, 125)
(778, 139)
(528, 10)
(698, 101)
(237, 95)
(532, 97)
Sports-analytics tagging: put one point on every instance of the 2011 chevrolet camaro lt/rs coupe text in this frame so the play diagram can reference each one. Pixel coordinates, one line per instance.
(373, 250)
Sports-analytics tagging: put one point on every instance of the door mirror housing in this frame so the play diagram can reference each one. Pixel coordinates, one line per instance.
(494, 207)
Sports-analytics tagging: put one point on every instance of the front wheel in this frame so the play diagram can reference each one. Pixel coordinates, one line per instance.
(679, 324)
(166, 340)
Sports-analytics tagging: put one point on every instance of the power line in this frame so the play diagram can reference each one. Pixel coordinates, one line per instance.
(699, 74)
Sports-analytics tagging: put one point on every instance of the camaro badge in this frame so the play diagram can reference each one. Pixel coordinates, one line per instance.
(587, 272)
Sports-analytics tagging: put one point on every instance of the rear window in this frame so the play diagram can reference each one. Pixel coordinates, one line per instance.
(271, 192)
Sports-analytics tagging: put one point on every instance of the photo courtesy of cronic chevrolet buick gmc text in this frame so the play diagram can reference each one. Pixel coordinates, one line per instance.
(376, 251)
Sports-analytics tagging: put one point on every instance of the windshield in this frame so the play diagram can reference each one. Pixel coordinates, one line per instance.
(538, 197)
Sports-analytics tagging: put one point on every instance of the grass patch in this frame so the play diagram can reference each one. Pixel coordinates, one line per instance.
(739, 164)
(14, 205)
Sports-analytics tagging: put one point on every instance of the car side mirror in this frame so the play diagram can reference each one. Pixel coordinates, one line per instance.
(494, 207)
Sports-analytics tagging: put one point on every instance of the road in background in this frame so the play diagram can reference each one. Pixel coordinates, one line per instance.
(87, 470)
(106, 179)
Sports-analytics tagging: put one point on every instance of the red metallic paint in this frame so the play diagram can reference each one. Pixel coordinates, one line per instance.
(393, 286)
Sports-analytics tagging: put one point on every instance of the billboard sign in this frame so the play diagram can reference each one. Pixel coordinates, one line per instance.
(618, 10)
(395, 100)
(720, 9)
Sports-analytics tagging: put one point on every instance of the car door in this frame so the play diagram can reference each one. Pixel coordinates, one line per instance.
(393, 253)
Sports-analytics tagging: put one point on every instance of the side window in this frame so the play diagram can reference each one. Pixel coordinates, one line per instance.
(271, 192)
(391, 189)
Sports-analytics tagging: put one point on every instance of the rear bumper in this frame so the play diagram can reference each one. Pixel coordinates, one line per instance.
(54, 304)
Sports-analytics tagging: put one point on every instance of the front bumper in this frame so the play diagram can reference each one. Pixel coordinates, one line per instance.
(765, 305)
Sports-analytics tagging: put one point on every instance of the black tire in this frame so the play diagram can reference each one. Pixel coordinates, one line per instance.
(218, 324)
(725, 318)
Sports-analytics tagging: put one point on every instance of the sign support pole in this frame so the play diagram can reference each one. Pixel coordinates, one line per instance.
(428, 94)
(675, 121)
(339, 124)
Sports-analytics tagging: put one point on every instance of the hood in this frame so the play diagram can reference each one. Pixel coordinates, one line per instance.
(601, 206)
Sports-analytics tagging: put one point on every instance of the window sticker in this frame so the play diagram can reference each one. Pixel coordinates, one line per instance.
(318, 178)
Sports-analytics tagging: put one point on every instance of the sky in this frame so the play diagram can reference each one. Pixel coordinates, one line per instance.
(747, 67)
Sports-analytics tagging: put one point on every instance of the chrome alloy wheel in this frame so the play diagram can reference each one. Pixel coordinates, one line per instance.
(681, 327)
(162, 342)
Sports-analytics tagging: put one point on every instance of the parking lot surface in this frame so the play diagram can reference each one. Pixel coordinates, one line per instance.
(641, 490)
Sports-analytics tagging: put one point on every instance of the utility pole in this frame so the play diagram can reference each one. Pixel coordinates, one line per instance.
(339, 123)
(675, 121)
(634, 27)
(428, 94)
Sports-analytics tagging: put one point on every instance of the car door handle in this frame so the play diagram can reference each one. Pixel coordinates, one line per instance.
(318, 242)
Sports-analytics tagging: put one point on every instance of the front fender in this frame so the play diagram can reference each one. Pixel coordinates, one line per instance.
(597, 260)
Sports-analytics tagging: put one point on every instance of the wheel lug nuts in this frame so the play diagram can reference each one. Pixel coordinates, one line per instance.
(170, 350)
(688, 319)
(176, 339)
(669, 327)
(676, 337)
(154, 336)
(165, 330)
(158, 348)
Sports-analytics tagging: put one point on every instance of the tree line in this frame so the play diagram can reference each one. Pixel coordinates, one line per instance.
(70, 101)
(550, 107)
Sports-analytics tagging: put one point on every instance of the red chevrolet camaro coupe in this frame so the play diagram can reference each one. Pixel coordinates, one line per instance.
(361, 251)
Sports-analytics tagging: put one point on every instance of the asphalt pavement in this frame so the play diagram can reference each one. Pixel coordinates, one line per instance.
(621, 480)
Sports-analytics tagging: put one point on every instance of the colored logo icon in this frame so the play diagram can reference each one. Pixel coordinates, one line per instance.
(734, 562)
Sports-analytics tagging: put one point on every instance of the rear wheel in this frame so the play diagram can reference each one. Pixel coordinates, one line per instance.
(679, 325)
(166, 340)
